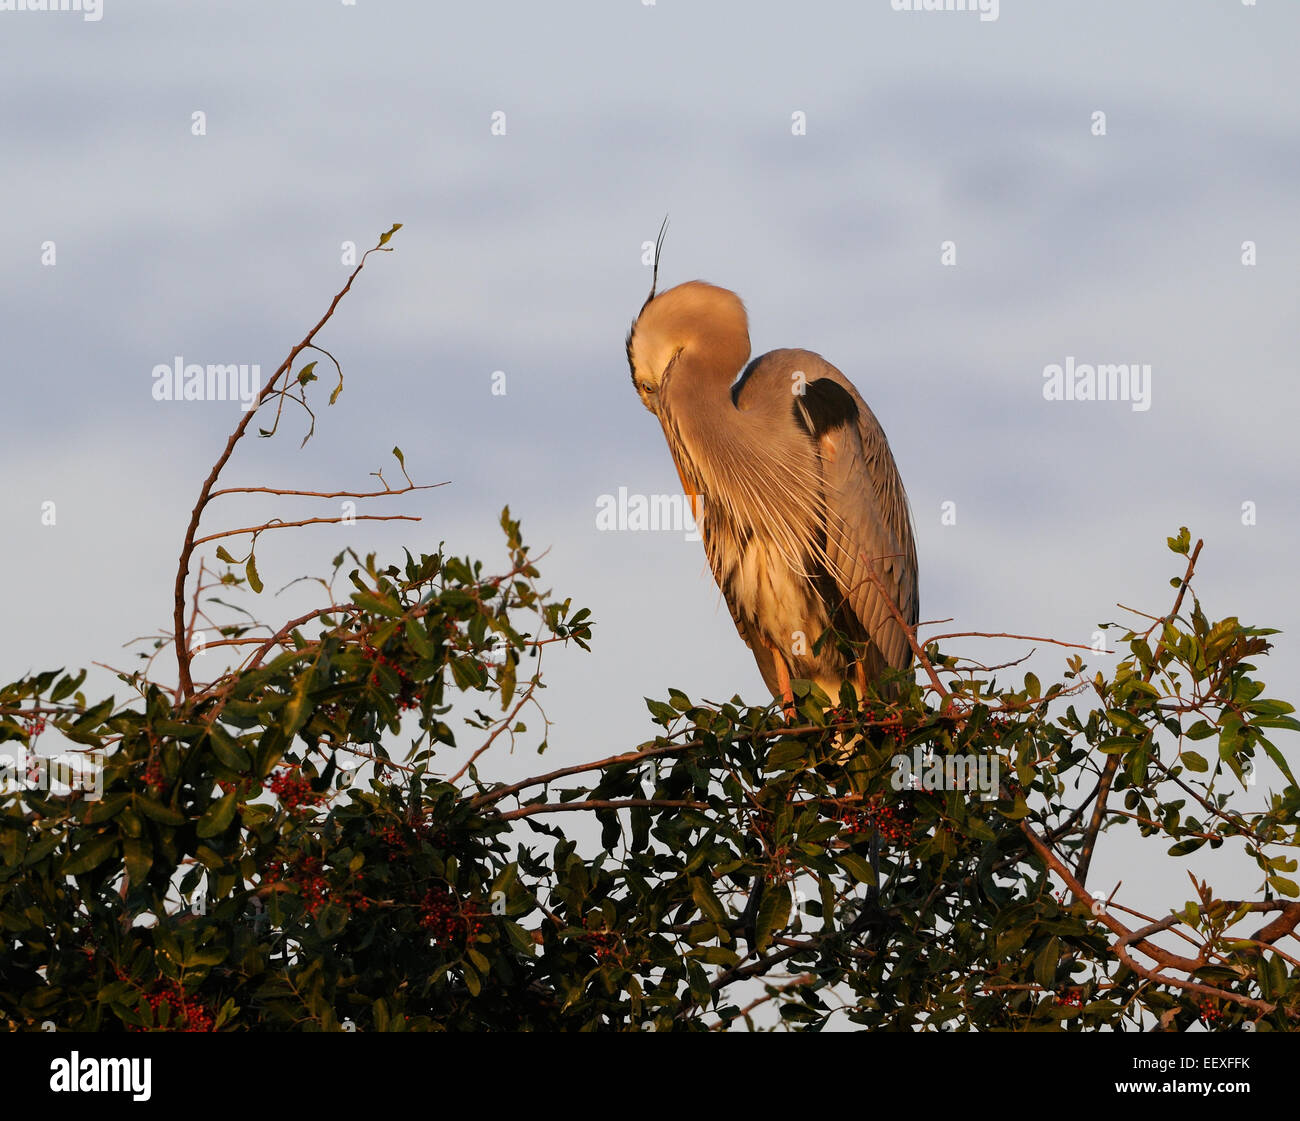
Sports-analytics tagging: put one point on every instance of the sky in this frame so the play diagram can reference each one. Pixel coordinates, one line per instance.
(943, 205)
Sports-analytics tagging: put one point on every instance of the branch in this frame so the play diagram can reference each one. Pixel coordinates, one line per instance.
(185, 684)
(908, 630)
(1023, 637)
(1112, 761)
(277, 524)
(1137, 939)
(599, 804)
(495, 795)
(323, 493)
(1281, 926)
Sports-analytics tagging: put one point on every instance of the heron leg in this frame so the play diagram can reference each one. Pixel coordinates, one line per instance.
(860, 680)
(782, 680)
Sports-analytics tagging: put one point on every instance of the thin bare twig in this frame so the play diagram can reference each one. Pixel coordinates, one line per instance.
(185, 684)
(599, 804)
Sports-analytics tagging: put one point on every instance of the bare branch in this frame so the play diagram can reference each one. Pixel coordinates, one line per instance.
(185, 684)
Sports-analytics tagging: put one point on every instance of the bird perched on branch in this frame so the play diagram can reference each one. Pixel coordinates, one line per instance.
(796, 494)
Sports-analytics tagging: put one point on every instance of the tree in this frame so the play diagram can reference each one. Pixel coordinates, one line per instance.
(920, 862)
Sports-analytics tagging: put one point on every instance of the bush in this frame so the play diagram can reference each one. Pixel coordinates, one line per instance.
(238, 872)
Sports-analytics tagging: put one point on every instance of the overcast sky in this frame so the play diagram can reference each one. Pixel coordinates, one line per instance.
(814, 158)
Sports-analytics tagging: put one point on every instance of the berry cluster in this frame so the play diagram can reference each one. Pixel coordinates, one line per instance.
(293, 790)
(779, 871)
(391, 835)
(887, 820)
(247, 788)
(307, 874)
(153, 775)
(891, 726)
(312, 885)
(187, 1014)
(1071, 998)
(1211, 1013)
(184, 1013)
(997, 727)
(406, 698)
(446, 918)
(605, 944)
(398, 838)
(36, 727)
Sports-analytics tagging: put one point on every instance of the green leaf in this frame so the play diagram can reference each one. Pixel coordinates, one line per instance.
(663, 714)
(250, 570)
(223, 555)
(164, 815)
(91, 855)
(1284, 885)
(708, 903)
(94, 716)
(1194, 761)
(219, 816)
(203, 955)
(139, 859)
(1046, 961)
(305, 374)
(773, 914)
(1273, 753)
(507, 681)
(228, 750)
(378, 604)
(857, 867)
(298, 709)
(67, 686)
(520, 939)
(1018, 810)
(786, 757)
(401, 459)
(714, 955)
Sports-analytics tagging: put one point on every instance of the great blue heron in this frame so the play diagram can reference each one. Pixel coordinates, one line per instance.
(795, 490)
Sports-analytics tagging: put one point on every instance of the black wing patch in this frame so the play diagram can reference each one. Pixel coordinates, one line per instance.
(824, 404)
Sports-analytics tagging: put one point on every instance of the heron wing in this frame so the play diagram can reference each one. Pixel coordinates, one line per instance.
(868, 522)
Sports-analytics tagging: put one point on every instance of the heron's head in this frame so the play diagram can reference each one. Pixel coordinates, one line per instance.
(695, 326)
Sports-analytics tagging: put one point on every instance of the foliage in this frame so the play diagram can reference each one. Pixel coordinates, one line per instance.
(752, 867)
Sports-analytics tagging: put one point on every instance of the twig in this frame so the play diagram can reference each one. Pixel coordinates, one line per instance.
(185, 684)
(277, 524)
(599, 804)
(1112, 761)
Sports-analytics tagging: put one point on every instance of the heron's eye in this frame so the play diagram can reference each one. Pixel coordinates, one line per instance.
(646, 387)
